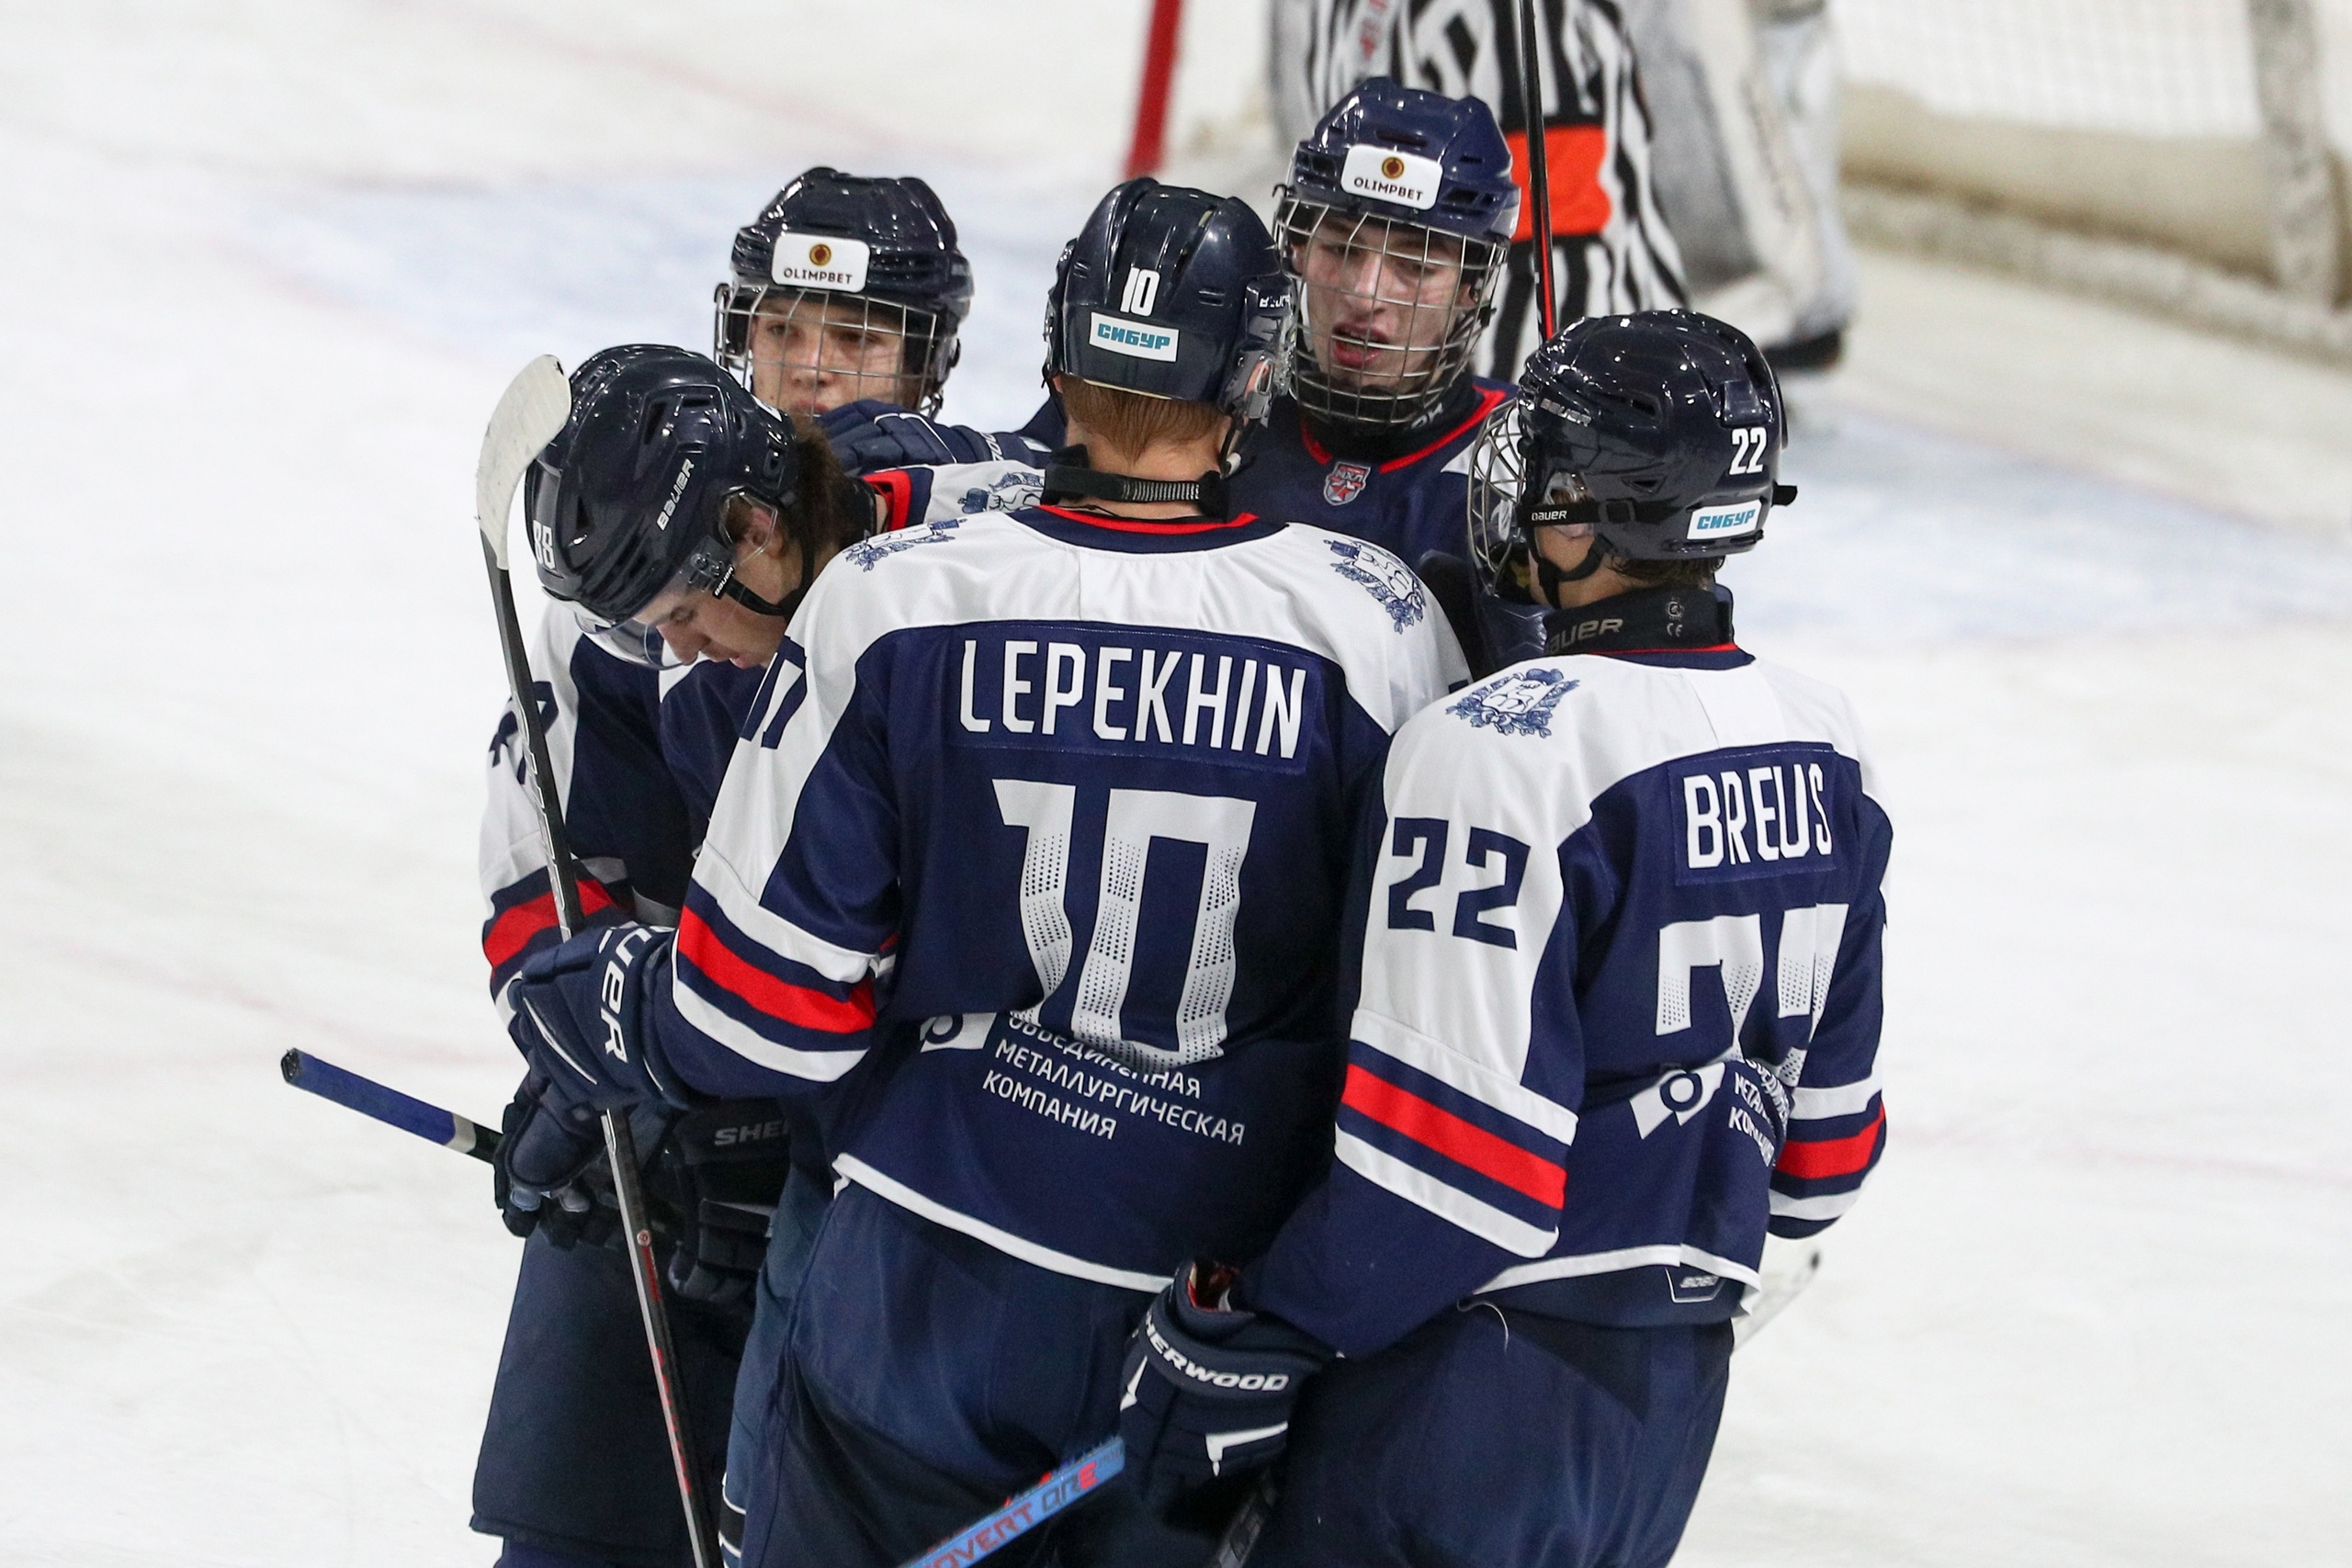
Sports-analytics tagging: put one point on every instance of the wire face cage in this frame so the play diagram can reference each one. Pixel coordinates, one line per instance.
(1497, 524)
(1389, 312)
(808, 351)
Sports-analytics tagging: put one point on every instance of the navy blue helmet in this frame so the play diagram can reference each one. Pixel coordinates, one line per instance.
(632, 495)
(1173, 293)
(1397, 221)
(875, 259)
(1658, 434)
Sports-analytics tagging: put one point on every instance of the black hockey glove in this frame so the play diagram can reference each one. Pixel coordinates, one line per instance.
(871, 435)
(721, 1168)
(542, 1155)
(580, 1021)
(1209, 1388)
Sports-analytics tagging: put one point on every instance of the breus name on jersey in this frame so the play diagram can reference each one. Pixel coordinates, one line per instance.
(1762, 811)
(1077, 688)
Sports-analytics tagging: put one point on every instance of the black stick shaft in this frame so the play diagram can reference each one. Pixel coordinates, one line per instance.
(1538, 184)
(620, 1147)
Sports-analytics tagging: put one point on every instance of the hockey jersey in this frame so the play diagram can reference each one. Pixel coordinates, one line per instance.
(1617, 1001)
(639, 748)
(1408, 502)
(1054, 810)
(638, 754)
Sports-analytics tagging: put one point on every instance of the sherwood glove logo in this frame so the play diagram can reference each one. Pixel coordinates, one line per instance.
(1271, 1382)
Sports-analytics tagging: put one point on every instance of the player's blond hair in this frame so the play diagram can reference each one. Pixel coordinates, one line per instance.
(1134, 422)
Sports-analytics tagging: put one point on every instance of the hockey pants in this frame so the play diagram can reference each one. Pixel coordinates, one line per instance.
(575, 1458)
(928, 1377)
(1495, 1439)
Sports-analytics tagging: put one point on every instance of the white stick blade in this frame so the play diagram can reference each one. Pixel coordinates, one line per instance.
(530, 415)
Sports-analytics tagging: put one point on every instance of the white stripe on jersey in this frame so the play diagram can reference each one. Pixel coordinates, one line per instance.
(851, 1168)
(816, 1067)
(1670, 1254)
(1417, 1186)
(1844, 1100)
(1455, 1070)
(1827, 1207)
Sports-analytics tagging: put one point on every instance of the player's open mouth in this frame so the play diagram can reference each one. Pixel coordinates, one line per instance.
(1350, 351)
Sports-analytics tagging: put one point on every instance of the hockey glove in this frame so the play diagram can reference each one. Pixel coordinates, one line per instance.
(871, 435)
(1209, 1388)
(581, 1020)
(721, 1168)
(541, 1156)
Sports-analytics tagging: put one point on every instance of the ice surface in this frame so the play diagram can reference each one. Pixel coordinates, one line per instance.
(268, 264)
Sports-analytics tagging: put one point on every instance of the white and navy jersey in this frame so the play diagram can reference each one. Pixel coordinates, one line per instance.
(638, 756)
(1056, 809)
(1612, 250)
(639, 752)
(1618, 1006)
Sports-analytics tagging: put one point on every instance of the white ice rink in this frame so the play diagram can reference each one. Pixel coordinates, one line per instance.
(265, 264)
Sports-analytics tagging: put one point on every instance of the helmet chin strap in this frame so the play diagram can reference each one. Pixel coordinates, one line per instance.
(1552, 576)
(733, 589)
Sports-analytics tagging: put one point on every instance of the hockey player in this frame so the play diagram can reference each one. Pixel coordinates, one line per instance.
(1611, 248)
(574, 1465)
(1616, 1011)
(842, 303)
(1396, 222)
(642, 722)
(1050, 807)
(842, 289)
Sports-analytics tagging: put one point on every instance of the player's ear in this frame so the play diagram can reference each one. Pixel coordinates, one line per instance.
(756, 523)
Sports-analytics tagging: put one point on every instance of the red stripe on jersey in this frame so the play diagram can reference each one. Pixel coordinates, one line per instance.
(1145, 526)
(1809, 1160)
(1463, 1143)
(897, 489)
(700, 947)
(1488, 398)
(512, 931)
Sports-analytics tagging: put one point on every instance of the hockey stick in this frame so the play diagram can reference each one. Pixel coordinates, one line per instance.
(1249, 1522)
(530, 415)
(1060, 1488)
(1538, 184)
(388, 1105)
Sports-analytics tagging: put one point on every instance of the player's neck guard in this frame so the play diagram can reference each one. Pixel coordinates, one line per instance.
(1377, 442)
(1069, 478)
(1647, 620)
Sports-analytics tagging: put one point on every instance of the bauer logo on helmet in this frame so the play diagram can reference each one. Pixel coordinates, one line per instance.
(1405, 178)
(807, 261)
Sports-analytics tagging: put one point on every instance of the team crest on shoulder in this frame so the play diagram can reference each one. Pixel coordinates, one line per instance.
(867, 554)
(1007, 493)
(1384, 577)
(1517, 704)
(1344, 483)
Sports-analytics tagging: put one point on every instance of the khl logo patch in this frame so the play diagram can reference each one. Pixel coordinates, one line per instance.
(1517, 704)
(1384, 577)
(1344, 483)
